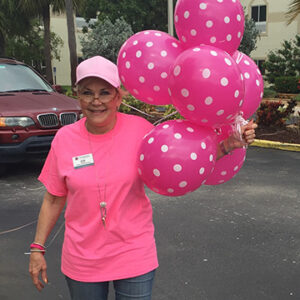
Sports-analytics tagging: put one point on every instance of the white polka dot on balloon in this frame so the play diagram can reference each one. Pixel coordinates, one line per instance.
(186, 14)
(203, 6)
(193, 156)
(209, 24)
(183, 184)
(226, 20)
(151, 140)
(206, 73)
(185, 93)
(208, 100)
(190, 107)
(156, 172)
(151, 66)
(164, 75)
(177, 70)
(224, 81)
(149, 44)
(193, 32)
(164, 148)
(177, 168)
(213, 39)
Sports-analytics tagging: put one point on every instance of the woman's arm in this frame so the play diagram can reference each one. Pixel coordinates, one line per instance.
(50, 211)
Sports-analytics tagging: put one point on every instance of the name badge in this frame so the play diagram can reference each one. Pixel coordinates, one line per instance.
(83, 161)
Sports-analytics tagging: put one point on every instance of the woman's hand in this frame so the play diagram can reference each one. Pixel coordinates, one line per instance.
(37, 266)
(234, 142)
(248, 136)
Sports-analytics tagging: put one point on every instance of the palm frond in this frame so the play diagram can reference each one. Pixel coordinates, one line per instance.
(293, 11)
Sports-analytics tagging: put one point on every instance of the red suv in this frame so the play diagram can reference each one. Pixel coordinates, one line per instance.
(31, 112)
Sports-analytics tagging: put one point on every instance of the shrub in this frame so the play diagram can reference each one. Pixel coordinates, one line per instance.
(297, 98)
(275, 114)
(269, 93)
(154, 112)
(284, 61)
(286, 84)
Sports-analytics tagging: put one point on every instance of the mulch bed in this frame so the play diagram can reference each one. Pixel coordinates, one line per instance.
(281, 134)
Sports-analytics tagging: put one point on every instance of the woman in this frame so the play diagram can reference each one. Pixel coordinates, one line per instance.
(92, 165)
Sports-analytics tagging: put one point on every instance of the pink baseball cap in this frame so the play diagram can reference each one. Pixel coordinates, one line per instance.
(98, 66)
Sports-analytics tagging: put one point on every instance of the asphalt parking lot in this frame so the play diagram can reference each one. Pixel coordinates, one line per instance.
(236, 241)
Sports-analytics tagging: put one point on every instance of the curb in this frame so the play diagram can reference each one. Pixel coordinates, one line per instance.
(276, 145)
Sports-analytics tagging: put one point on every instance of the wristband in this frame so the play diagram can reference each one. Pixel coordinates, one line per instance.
(37, 246)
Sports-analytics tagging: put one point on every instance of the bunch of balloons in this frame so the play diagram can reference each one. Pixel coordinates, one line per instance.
(208, 81)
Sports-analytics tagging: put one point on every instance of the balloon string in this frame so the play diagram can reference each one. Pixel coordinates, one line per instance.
(140, 111)
(166, 117)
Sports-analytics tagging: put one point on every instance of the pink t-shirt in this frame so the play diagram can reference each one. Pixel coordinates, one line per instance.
(125, 247)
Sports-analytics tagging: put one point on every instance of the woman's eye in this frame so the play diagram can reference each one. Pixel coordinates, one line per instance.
(104, 93)
(87, 93)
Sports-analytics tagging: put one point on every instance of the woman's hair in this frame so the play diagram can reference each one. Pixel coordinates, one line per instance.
(84, 82)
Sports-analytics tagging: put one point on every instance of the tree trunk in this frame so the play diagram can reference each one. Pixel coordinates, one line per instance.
(71, 39)
(2, 45)
(47, 41)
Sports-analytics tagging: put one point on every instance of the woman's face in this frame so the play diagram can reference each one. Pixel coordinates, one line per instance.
(99, 102)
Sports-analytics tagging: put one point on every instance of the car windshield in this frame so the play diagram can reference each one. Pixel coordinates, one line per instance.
(20, 78)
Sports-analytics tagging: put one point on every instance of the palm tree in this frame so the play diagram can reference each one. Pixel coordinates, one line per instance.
(12, 22)
(2, 33)
(42, 8)
(293, 11)
(71, 39)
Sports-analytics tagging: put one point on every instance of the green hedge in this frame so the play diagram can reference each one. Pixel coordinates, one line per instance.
(287, 84)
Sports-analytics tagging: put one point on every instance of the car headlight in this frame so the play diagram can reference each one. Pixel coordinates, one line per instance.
(16, 121)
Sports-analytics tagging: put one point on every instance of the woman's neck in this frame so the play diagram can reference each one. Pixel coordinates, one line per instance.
(101, 129)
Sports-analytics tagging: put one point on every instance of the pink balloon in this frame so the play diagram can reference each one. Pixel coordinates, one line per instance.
(206, 86)
(253, 83)
(227, 167)
(218, 23)
(224, 132)
(176, 157)
(144, 61)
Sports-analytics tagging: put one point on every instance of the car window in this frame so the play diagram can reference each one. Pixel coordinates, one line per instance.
(20, 78)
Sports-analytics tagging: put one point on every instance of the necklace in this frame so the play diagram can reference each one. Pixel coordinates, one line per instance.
(102, 201)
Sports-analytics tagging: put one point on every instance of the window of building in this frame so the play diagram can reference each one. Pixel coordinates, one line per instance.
(259, 15)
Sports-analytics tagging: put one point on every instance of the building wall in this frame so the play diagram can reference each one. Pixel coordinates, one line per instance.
(63, 68)
(277, 29)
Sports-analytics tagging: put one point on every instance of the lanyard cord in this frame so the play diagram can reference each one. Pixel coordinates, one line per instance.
(102, 202)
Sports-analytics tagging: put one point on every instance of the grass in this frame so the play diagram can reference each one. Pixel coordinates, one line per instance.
(297, 98)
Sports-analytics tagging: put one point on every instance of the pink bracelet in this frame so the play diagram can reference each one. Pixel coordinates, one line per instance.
(37, 246)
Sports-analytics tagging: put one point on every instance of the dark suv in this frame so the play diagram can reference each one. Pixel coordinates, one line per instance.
(31, 112)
